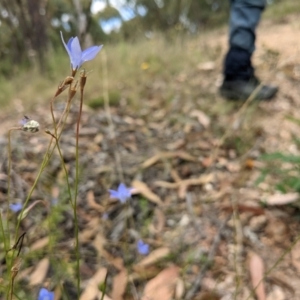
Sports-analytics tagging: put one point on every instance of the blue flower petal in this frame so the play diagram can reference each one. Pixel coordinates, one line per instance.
(68, 47)
(90, 53)
(123, 193)
(44, 294)
(123, 190)
(70, 43)
(24, 120)
(15, 207)
(76, 53)
(113, 194)
(142, 247)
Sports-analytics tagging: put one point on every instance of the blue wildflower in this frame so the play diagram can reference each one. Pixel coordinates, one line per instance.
(24, 120)
(77, 56)
(15, 207)
(44, 294)
(123, 193)
(142, 247)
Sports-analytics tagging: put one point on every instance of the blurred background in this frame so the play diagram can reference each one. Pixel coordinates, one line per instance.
(30, 40)
(29, 29)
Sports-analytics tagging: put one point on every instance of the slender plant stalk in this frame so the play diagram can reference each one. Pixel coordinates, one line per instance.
(61, 122)
(67, 179)
(56, 137)
(238, 247)
(43, 165)
(52, 115)
(8, 172)
(6, 237)
(16, 266)
(77, 183)
(46, 159)
(11, 288)
(45, 162)
(64, 167)
(6, 247)
(3, 233)
(9, 181)
(105, 285)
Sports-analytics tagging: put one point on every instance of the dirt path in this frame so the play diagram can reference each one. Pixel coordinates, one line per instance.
(277, 61)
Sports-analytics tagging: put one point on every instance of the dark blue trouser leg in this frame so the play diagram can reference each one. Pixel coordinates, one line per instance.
(244, 18)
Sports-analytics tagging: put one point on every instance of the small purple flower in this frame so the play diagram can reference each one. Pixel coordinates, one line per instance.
(44, 294)
(77, 56)
(123, 193)
(15, 207)
(24, 120)
(142, 247)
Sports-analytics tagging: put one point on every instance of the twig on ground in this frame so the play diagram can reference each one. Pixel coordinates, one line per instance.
(238, 249)
(197, 284)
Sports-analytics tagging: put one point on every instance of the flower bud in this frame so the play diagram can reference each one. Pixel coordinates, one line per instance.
(83, 77)
(68, 80)
(73, 90)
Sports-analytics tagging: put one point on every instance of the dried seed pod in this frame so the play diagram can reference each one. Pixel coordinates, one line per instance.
(16, 267)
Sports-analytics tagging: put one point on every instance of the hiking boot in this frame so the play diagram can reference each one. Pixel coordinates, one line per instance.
(242, 89)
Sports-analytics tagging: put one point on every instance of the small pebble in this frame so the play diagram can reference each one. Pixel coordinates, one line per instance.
(185, 220)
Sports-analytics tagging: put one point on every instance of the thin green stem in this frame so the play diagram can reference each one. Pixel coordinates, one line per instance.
(6, 237)
(48, 154)
(43, 165)
(9, 164)
(52, 114)
(6, 247)
(65, 169)
(46, 159)
(56, 137)
(8, 171)
(76, 191)
(104, 287)
(45, 162)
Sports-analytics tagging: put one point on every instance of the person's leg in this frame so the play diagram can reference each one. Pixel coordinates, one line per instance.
(238, 71)
(244, 18)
